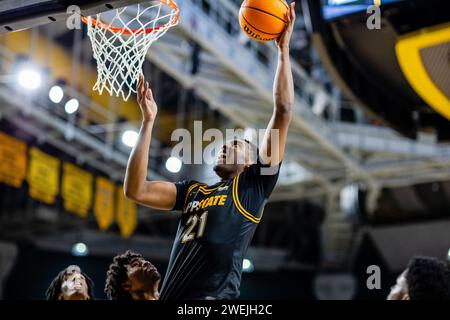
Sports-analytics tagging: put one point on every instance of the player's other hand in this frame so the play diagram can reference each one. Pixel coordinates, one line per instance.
(145, 100)
(283, 41)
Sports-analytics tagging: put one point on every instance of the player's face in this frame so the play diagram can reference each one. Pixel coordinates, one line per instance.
(74, 286)
(143, 280)
(400, 290)
(232, 158)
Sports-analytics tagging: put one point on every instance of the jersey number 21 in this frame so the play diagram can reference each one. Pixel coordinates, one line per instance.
(192, 230)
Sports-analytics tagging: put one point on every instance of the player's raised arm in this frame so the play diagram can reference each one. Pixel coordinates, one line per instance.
(156, 194)
(283, 98)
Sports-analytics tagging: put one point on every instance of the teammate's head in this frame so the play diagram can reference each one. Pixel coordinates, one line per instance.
(131, 277)
(71, 284)
(425, 278)
(234, 157)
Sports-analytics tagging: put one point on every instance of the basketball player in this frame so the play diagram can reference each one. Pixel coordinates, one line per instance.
(131, 277)
(71, 284)
(425, 279)
(218, 221)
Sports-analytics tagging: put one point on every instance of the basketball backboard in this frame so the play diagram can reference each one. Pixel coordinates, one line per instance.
(17, 15)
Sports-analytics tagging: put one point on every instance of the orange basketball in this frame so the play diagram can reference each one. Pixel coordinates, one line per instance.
(263, 20)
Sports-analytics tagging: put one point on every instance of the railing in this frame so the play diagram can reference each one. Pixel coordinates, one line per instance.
(380, 139)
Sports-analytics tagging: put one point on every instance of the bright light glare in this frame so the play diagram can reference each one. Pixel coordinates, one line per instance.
(247, 265)
(80, 249)
(29, 79)
(173, 164)
(71, 106)
(56, 94)
(129, 138)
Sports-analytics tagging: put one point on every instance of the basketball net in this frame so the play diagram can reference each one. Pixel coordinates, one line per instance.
(120, 40)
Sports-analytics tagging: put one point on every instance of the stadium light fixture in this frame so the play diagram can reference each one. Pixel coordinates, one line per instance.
(173, 164)
(71, 106)
(80, 249)
(129, 138)
(247, 266)
(56, 94)
(29, 78)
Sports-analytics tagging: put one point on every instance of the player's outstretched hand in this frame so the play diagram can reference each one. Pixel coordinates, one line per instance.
(283, 41)
(145, 99)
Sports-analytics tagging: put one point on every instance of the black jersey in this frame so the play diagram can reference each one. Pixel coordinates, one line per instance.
(215, 230)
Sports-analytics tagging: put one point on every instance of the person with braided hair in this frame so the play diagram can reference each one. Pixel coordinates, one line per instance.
(71, 284)
(131, 277)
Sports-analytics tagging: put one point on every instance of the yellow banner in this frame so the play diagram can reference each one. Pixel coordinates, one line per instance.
(13, 160)
(126, 214)
(43, 176)
(76, 189)
(104, 203)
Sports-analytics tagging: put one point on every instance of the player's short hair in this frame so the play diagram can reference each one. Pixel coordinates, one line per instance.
(117, 275)
(428, 279)
(54, 290)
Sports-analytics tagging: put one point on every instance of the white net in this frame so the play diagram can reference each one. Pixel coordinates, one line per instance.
(120, 40)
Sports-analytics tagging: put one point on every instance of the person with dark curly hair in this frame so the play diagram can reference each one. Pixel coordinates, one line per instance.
(425, 278)
(71, 284)
(131, 277)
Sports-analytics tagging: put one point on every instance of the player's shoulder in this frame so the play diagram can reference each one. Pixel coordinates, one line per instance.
(197, 183)
(258, 179)
(191, 182)
(260, 169)
(192, 185)
(185, 188)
